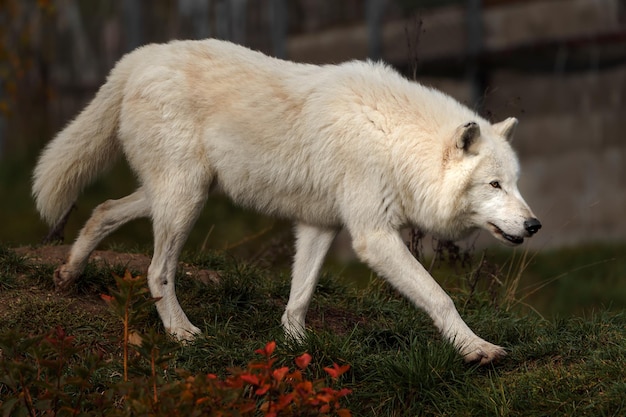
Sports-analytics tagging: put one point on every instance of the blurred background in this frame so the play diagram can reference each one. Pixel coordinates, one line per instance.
(559, 66)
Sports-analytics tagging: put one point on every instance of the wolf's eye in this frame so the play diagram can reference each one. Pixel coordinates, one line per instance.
(495, 184)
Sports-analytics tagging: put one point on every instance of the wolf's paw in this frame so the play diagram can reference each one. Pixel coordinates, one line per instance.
(482, 352)
(294, 328)
(184, 334)
(295, 337)
(63, 278)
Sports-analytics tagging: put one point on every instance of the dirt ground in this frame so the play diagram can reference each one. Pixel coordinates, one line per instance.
(340, 320)
(20, 299)
(57, 254)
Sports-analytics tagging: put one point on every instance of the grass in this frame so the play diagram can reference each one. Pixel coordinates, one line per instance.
(562, 365)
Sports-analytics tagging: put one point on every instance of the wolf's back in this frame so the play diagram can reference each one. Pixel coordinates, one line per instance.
(81, 151)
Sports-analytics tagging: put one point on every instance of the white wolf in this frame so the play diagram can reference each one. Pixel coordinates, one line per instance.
(352, 146)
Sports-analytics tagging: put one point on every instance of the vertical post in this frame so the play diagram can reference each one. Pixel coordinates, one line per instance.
(222, 19)
(2, 133)
(238, 21)
(475, 73)
(278, 23)
(197, 12)
(374, 14)
(133, 24)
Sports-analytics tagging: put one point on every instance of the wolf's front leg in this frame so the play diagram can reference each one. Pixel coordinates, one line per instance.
(312, 243)
(385, 252)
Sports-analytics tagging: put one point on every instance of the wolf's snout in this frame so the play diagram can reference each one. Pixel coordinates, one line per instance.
(532, 226)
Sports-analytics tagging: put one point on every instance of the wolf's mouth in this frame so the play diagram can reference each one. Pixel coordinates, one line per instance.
(516, 240)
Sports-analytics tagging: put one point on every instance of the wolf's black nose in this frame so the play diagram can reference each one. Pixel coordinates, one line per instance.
(532, 226)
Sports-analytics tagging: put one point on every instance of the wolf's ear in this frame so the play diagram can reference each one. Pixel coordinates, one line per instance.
(506, 128)
(466, 136)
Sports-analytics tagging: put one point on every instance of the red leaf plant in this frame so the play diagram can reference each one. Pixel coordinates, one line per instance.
(274, 391)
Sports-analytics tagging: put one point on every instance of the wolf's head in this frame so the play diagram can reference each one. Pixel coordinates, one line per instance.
(491, 198)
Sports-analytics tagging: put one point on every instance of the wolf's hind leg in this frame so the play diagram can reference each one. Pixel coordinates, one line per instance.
(105, 218)
(312, 244)
(175, 209)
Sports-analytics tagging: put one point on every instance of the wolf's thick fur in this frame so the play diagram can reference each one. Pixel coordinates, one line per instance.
(352, 146)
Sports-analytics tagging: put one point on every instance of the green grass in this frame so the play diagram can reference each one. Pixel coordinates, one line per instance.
(571, 281)
(562, 365)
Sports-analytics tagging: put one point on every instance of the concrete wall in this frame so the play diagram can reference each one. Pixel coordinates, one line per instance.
(570, 139)
(544, 63)
(573, 148)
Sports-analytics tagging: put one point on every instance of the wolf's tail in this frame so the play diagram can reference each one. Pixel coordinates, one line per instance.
(81, 151)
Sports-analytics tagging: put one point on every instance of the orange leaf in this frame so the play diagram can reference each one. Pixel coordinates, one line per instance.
(336, 371)
(343, 392)
(202, 400)
(325, 397)
(344, 412)
(263, 390)
(296, 376)
(250, 379)
(280, 373)
(303, 360)
(267, 350)
(304, 388)
(284, 400)
(106, 297)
